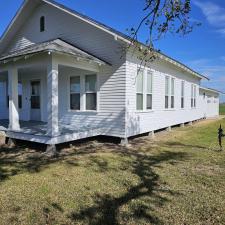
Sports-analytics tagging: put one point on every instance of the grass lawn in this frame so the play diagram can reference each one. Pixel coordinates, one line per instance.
(222, 109)
(179, 178)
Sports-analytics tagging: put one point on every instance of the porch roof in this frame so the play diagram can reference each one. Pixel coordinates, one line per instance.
(57, 46)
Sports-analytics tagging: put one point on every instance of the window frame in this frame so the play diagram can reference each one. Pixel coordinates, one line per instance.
(83, 94)
(167, 95)
(90, 92)
(42, 24)
(149, 93)
(193, 96)
(182, 99)
(172, 92)
(143, 88)
(70, 93)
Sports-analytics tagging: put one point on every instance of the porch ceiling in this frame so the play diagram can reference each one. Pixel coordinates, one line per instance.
(57, 46)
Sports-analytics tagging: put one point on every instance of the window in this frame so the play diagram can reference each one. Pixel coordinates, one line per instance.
(91, 92)
(193, 96)
(35, 100)
(42, 24)
(20, 93)
(182, 94)
(139, 90)
(172, 93)
(149, 91)
(75, 93)
(167, 86)
(195, 92)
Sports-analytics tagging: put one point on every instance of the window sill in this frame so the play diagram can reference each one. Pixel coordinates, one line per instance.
(169, 110)
(83, 111)
(144, 111)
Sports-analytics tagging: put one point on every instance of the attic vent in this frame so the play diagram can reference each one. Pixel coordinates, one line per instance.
(42, 24)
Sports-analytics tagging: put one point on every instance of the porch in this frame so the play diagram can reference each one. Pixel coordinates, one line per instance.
(44, 71)
(36, 131)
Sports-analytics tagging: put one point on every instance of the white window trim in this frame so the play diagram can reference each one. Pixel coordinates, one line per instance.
(147, 93)
(144, 93)
(194, 96)
(83, 94)
(169, 94)
(182, 96)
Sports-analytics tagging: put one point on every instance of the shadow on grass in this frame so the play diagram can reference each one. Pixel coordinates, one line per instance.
(106, 208)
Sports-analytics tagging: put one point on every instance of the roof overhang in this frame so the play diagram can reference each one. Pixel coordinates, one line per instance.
(57, 46)
(211, 90)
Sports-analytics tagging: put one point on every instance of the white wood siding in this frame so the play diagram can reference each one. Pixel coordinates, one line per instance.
(140, 122)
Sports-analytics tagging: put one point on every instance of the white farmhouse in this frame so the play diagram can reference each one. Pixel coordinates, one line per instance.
(62, 78)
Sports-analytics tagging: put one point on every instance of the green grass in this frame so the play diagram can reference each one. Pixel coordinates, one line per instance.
(222, 109)
(178, 178)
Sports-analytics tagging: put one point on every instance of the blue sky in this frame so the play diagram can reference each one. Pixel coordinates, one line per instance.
(202, 50)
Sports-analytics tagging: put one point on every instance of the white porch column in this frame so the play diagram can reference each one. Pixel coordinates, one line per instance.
(13, 99)
(52, 88)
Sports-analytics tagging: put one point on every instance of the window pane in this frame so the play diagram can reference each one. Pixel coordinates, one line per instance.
(149, 82)
(149, 101)
(172, 101)
(91, 101)
(35, 102)
(182, 89)
(139, 101)
(20, 101)
(139, 81)
(35, 87)
(75, 101)
(75, 84)
(167, 85)
(42, 24)
(172, 86)
(166, 102)
(182, 102)
(90, 83)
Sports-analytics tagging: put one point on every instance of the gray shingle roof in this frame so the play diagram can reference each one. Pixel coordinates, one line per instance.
(57, 45)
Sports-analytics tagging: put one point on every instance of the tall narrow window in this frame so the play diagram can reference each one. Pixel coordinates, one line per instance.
(167, 86)
(149, 90)
(75, 93)
(172, 92)
(195, 92)
(182, 94)
(42, 24)
(192, 96)
(91, 92)
(139, 90)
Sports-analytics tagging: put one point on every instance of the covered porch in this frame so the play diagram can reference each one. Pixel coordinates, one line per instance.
(35, 113)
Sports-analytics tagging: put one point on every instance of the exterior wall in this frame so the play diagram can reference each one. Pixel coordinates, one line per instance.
(210, 103)
(144, 121)
(110, 116)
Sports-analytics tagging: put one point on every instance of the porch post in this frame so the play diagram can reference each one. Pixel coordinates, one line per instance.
(13, 99)
(52, 89)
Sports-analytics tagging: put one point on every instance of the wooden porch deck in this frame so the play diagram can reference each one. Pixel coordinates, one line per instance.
(36, 132)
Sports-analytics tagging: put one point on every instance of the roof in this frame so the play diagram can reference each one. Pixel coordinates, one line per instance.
(212, 90)
(57, 46)
(103, 27)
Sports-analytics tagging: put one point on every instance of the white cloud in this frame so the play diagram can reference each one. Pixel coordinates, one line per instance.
(214, 14)
(212, 68)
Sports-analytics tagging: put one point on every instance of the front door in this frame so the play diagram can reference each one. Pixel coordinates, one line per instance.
(35, 100)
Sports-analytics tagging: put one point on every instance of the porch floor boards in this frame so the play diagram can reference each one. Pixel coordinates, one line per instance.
(33, 130)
